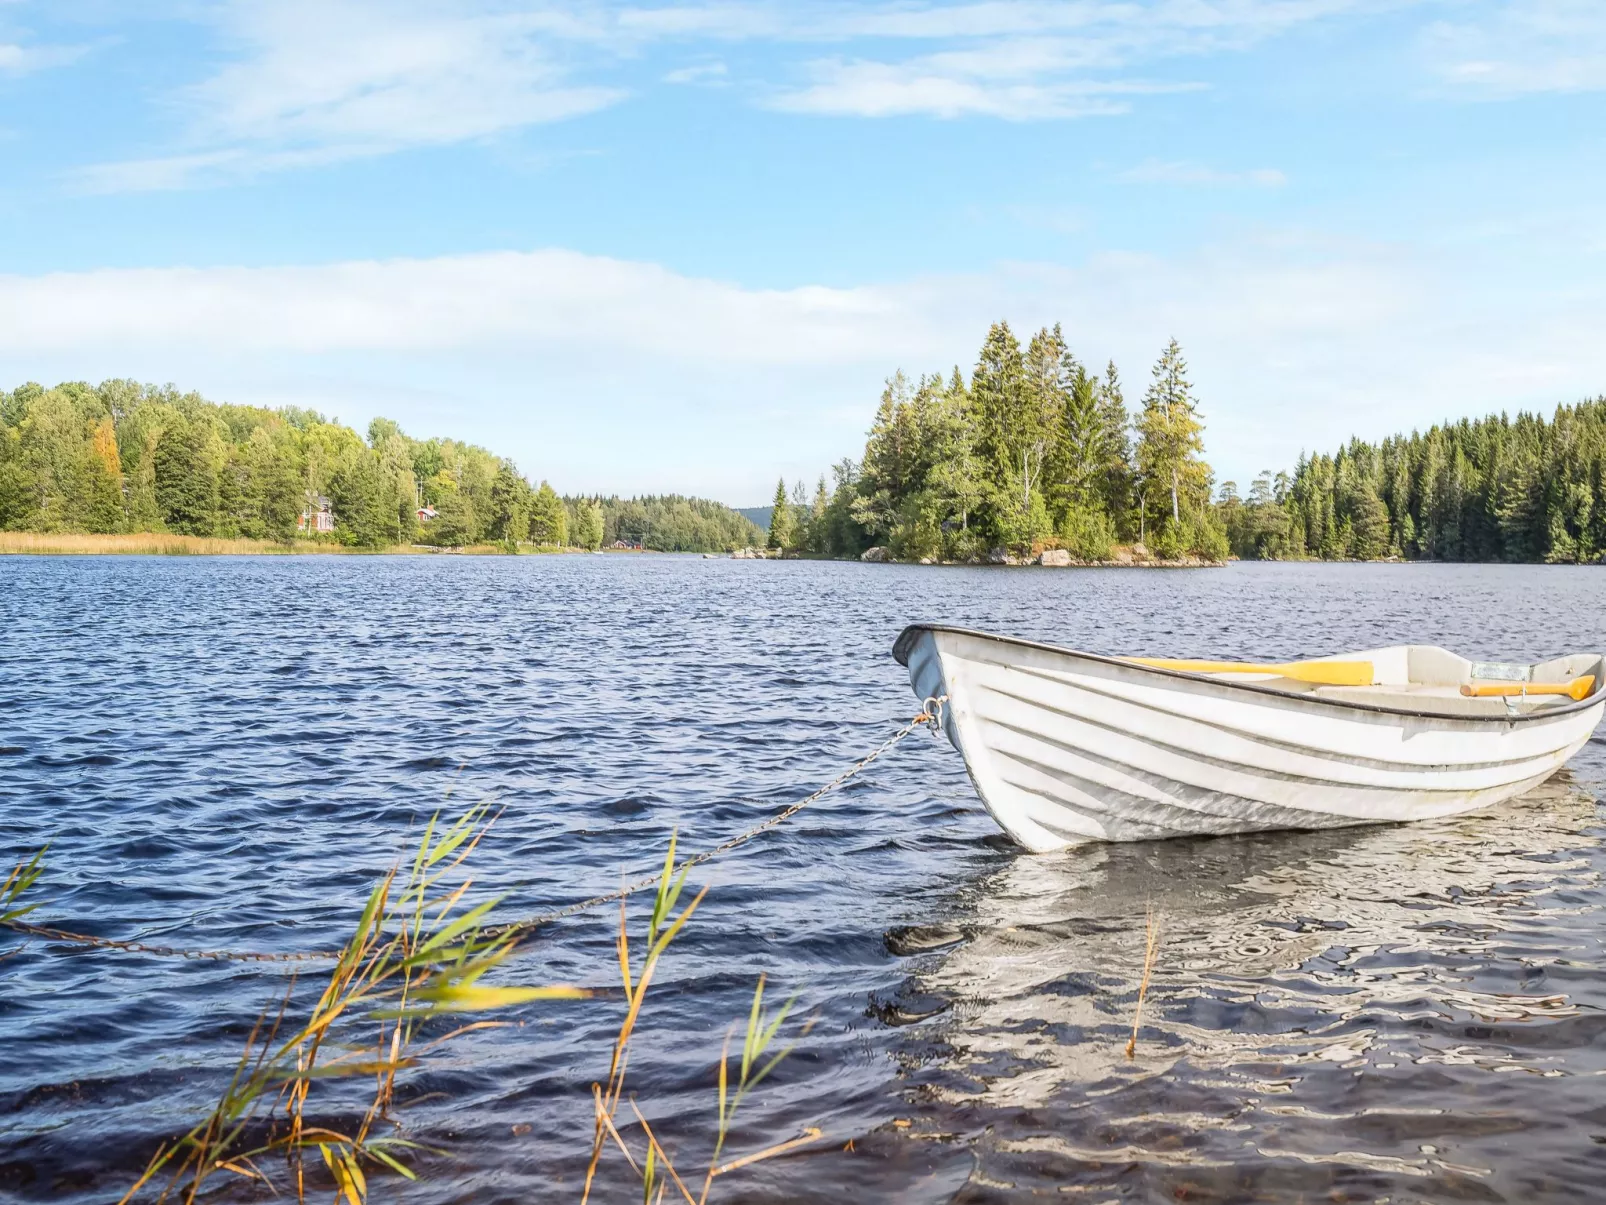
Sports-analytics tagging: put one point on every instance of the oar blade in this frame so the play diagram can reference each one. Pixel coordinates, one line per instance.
(1331, 673)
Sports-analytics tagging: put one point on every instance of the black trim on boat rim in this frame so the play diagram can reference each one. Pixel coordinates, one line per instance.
(905, 643)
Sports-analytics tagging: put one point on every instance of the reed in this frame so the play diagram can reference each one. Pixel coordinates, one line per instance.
(1151, 951)
(23, 876)
(756, 1062)
(68, 543)
(146, 543)
(416, 954)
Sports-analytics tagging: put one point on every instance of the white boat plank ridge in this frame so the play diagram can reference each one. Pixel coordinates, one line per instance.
(1066, 747)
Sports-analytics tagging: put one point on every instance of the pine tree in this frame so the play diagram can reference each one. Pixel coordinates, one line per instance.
(549, 519)
(781, 525)
(186, 482)
(881, 478)
(364, 516)
(588, 524)
(1170, 438)
(815, 541)
(1081, 455)
(1015, 422)
(510, 505)
(1115, 476)
(953, 486)
(454, 522)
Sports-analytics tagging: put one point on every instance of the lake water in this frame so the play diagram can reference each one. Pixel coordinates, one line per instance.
(226, 752)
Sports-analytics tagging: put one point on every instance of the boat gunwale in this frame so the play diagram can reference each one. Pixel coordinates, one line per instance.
(904, 644)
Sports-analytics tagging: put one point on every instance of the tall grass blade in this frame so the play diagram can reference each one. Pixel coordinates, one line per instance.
(1151, 951)
(21, 878)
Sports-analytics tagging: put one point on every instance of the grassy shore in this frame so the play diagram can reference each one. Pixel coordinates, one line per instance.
(158, 544)
(143, 544)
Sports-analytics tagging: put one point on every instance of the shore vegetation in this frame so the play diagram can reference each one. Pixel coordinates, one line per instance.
(1523, 489)
(124, 459)
(310, 1106)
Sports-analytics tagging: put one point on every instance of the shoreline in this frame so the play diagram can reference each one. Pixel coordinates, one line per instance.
(1125, 556)
(33, 543)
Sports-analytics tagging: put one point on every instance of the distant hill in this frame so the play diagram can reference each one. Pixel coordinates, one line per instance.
(759, 516)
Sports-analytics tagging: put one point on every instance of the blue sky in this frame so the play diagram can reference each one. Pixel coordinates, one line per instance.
(679, 247)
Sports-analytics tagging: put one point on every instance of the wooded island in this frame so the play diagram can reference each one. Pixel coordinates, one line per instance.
(1035, 451)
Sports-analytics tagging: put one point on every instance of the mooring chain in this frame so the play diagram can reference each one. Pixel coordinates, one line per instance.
(930, 713)
(140, 947)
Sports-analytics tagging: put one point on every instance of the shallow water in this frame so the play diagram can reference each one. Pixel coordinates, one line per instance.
(225, 752)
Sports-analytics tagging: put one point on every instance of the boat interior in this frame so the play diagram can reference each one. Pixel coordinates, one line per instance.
(1423, 677)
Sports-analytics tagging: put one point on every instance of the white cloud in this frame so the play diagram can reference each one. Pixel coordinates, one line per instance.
(1030, 61)
(1177, 26)
(1527, 47)
(355, 72)
(318, 81)
(1018, 80)
(452, 302)
(1154, 171)
(703, 384)
(206, 167)
(893, 90)
(16, 59)
(707, 74)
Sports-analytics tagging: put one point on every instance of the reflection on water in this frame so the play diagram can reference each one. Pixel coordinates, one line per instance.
(1355, 999)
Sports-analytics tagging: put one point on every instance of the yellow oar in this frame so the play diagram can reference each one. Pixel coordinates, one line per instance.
(1322, 673)
(1578, 688)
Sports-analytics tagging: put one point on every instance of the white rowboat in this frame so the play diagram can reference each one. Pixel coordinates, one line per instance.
(1067, 747)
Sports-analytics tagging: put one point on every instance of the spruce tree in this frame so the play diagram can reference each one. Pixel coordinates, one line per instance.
(1115, 437)
(186, 484)
(453, 525)
(549, 519)
(1013, 433)
(588, 524)
(1081, 456)
(1170, 437)
(781, 526)
(957, 481)
(880, 480)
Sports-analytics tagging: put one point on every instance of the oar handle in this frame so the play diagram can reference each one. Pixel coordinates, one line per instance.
(1321, 673)
(1578, 688)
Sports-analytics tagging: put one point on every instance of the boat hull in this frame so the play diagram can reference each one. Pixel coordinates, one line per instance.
(1065, 747)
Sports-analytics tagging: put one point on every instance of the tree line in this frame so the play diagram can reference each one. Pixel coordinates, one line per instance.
(674, 523)
(126, 457)
(1033, 451)
(1526, 489)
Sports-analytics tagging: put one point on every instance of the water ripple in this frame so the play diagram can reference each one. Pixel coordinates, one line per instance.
(225, 752)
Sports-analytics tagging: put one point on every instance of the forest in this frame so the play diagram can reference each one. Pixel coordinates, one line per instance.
(126, 457)
(672, 523)
(1526, 489)
(1033, 451)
